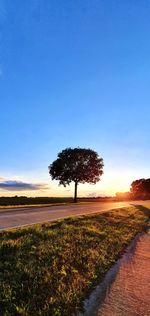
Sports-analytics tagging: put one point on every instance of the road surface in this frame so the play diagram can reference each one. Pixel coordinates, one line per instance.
(15, 217)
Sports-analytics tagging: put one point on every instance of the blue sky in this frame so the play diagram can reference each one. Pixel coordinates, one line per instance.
(73, 73)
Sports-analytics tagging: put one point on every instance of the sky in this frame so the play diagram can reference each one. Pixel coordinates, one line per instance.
(73, 73)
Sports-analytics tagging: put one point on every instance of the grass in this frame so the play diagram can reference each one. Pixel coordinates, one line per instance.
(23, 200)
(21, 206)
(30, 205)
(49, 269)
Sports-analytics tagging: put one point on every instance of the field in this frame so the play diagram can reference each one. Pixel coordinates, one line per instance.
(49, 269)
(23, 200)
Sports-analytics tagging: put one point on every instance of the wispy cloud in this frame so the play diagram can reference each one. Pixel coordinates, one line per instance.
(12, 185)
(92, 194)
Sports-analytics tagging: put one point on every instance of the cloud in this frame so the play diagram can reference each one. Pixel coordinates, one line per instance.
(12, 185)
(93, 194)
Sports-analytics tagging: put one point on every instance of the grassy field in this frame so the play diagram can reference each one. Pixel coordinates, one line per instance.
(49, 269)
(23, 200)
(30, 201)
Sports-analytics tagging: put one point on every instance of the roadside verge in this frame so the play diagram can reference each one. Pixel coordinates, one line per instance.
(50, 268)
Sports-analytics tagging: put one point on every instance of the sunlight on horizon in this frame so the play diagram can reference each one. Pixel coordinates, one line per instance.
(108, 186)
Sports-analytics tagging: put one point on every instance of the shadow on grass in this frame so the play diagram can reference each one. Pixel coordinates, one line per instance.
(143, 209)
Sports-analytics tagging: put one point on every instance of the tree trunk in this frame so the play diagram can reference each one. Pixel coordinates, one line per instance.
(75, 192)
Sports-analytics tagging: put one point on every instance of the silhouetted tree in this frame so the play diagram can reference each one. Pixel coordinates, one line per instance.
(79, 165)
(141, 188)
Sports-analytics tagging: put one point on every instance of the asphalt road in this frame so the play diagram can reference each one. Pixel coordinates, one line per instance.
(10, 218)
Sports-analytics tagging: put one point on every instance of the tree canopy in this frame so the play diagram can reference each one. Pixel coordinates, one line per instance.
(78, 165)
(141, 188)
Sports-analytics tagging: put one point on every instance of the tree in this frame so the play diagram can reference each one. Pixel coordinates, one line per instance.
(78, 165)
(141, 189)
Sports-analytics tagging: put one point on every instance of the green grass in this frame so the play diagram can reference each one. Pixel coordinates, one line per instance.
(49, 269)
(23, 200)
